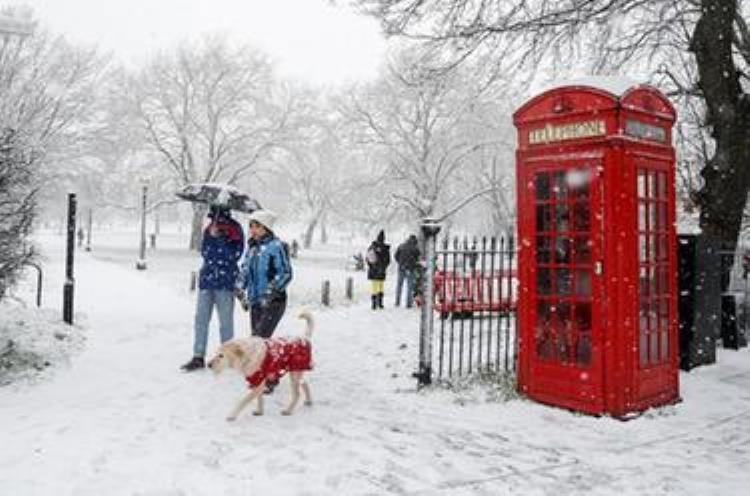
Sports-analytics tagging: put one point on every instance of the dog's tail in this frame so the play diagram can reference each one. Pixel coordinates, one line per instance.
(306, 315)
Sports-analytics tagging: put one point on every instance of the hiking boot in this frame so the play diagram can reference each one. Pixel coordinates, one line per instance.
(195, 363)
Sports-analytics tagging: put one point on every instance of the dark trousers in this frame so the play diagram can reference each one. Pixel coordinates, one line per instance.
(264, 319)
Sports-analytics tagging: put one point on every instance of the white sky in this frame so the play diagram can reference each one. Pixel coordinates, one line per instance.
(309, 39)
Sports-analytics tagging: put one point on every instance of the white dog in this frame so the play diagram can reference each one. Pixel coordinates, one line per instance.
(267, 360)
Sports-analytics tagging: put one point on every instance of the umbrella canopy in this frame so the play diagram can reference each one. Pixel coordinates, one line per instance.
(221, 195)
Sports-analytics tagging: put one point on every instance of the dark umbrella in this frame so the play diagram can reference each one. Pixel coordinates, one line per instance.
(222, 195)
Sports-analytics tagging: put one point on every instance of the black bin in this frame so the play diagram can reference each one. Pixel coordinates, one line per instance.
(700, 319)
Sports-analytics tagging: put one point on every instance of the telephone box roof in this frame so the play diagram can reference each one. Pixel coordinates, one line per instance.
(594, 94)
(616, 85)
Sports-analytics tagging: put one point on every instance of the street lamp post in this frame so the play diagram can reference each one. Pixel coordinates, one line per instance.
(141, 263)
(88, 235)
(68, 287)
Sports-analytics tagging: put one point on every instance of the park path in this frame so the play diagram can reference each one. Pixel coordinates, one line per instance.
(122, 419)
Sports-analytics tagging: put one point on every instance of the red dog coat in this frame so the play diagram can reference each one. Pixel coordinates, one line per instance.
(282, 356)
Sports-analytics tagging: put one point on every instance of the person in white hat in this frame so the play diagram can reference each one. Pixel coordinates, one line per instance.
(265, 273)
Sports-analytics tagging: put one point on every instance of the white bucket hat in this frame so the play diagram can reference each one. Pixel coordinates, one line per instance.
(264, 217)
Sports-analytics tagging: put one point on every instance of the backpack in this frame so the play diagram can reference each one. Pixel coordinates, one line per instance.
(372, 257)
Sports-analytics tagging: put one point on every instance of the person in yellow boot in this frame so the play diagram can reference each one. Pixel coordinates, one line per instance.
(378, 258)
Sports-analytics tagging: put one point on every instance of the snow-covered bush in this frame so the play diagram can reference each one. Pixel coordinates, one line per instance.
(33, 341)
(17, 206)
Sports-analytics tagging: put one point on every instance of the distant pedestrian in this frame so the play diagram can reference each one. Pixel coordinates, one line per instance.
(378, 258)
(80, 235)
(294, 249)
(407, 257)
(221, 248)
(265, 274)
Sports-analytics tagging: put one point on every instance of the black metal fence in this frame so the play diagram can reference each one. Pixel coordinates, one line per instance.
(735, 270)
(474, 293)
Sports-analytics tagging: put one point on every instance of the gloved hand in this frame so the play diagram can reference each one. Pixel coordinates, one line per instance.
(242, 298)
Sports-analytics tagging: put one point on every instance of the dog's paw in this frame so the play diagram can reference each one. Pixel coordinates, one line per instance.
(286, 412)
(258, 414)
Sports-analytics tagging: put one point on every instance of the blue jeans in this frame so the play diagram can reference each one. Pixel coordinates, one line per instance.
(408, 276)
(224, 302)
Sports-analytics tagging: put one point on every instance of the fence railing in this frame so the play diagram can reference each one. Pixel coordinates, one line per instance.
(472, 325)
(735, 304)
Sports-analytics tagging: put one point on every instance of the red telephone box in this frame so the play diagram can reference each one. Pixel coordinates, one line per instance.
(597, 252)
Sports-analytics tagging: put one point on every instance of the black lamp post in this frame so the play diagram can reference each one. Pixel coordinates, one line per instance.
(70, 251)
(140, 264)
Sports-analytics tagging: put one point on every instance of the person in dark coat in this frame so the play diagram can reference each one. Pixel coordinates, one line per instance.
(407, 257)
(221, 248)
(378, 258)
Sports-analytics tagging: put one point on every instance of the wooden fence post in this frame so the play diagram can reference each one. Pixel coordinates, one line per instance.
(326, 294)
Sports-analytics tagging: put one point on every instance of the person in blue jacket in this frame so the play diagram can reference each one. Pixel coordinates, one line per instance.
(265, 273)
(221, 248)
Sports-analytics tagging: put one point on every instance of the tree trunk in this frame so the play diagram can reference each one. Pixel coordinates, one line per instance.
(196, 226)
(724, 194)
(727, 174)
(309, 232)
(323, 230)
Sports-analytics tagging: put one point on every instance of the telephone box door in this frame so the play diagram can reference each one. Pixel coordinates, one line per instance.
(566, 282)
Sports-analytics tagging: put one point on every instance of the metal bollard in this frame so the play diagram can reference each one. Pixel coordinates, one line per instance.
(326, 294)
(38, 283)
(349, 288)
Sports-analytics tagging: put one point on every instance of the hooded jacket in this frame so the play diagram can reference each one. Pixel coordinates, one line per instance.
(407, 254)
(220, 252)
(378, 258)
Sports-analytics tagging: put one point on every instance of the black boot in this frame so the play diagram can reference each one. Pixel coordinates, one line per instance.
(380, 300)
(374, 301)
(270, 385)
(195, 363)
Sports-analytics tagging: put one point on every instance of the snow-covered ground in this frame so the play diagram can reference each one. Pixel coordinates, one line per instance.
(118, 418)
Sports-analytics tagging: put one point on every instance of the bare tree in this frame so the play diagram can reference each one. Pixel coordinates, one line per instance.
(17, 207)
(710, 36)
(212, 112)
(317, 169)
(495, 176)
(418, 127)
(45, 97)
